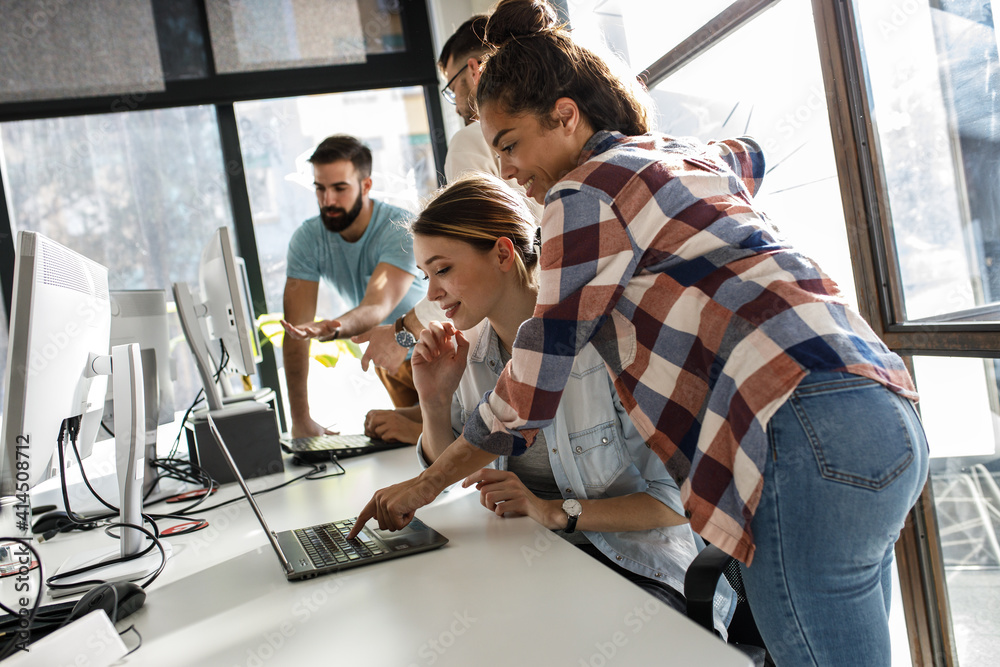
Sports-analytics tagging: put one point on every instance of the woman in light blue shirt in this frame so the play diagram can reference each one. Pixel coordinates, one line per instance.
(593, 480)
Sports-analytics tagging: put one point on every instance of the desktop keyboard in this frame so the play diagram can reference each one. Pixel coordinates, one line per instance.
(338, 442)
(327, 544)
(321, 448)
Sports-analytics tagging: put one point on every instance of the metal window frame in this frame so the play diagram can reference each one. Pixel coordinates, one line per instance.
(416, 66)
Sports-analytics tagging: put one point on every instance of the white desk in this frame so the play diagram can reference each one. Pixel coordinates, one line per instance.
(502, 592)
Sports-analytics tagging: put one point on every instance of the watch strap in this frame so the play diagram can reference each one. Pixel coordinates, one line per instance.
(570, 523)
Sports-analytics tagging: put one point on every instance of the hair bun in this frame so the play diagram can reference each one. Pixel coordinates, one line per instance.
(520, 18)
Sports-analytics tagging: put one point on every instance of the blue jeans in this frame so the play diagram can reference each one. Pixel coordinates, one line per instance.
(847, 461)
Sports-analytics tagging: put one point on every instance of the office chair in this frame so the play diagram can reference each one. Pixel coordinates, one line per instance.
(699, 589)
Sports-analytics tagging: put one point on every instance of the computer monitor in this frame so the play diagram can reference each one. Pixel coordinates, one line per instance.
(140, 316)
(58, 364)
(61, 319)
(217, 318)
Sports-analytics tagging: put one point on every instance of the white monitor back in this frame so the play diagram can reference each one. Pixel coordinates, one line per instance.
(140, 316)
(60, 318)
(227, 318)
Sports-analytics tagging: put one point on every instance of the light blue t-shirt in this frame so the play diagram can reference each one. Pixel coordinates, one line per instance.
(315, 252)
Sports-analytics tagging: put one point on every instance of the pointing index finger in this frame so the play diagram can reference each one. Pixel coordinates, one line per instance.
(367, 513)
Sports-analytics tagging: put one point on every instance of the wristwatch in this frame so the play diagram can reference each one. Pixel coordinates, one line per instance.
(403, 336)
(573, 510)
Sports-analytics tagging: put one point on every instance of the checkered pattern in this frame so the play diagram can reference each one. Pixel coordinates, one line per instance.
(652, 250)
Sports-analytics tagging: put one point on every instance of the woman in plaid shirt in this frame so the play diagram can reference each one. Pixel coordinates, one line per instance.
(788, 424)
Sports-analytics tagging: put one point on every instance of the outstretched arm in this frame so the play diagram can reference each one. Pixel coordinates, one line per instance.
(394, 506)
(386, 288)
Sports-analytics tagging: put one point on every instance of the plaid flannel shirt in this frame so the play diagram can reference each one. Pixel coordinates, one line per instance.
(653, 251)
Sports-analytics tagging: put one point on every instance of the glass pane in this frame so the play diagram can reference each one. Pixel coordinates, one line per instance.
(934, 78)
(277, 136)
(180, 32)
(638, 30)
(53, 50)
(139, 192)
(783, 106)
(382, 24)
(256, 35)
(960, 411)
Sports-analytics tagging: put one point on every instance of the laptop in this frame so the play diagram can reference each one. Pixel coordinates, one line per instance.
(308, 552)
(323, 448)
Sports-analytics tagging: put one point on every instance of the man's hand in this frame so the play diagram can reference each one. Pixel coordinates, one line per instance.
(323, 330)
(382, 350)
(438, 361)
(503, 493)
(308, 427)
(392, 426)
(394, 505)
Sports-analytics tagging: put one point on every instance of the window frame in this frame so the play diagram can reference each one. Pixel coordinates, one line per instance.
(414, 66)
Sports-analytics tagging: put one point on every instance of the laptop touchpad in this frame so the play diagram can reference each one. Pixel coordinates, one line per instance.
(407, 538)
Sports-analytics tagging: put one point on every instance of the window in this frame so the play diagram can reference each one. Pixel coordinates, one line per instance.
(137, 192)
(958, 406)
(135, 176)
(640, 31)
(783, 106)
(931, 86)
(277, 137)
(935, 84)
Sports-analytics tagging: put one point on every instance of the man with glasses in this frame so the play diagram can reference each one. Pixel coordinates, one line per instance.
(459, 64)
(467, 152)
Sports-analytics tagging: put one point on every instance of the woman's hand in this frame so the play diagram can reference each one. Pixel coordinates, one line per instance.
(438, 361)
(394, 505)
(503, 493)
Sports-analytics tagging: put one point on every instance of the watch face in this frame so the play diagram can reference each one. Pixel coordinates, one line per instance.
(572, 507)
(405, 338)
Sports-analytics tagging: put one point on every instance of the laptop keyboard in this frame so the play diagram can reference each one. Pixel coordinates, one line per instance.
(327, 544)
(322, 443)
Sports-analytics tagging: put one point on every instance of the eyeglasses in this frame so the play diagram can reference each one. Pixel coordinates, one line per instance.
(447, 92)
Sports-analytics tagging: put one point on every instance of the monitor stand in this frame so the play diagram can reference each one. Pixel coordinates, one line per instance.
(125, 367)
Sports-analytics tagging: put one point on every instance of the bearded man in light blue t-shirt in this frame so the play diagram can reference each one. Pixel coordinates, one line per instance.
(357, 245)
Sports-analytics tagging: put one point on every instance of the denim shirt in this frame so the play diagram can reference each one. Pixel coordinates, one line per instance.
(595, 452)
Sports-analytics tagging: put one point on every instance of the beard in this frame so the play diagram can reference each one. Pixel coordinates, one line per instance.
(336, 219)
